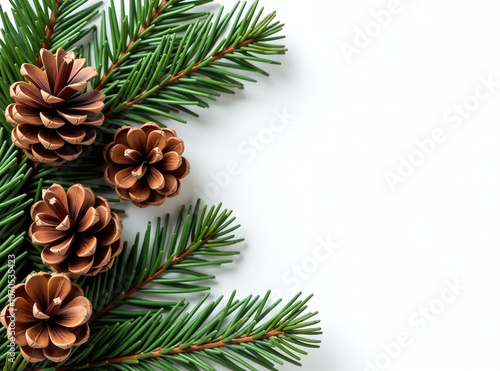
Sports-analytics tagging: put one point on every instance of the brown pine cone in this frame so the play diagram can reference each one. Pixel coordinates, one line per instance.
(52, 119)
(145, 164)
(79, 233)
(50, 315)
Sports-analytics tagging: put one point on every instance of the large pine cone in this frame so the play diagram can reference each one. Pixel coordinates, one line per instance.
(145, 164)
(52, 119)
(49, 315)
(80, 234)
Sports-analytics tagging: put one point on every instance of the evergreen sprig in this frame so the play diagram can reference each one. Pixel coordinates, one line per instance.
(132, 32)
(154, 60)
(188, 59)
(241, 335)
(171, 260)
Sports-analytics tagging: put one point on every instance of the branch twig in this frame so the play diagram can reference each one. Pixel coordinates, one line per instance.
(49, 31)
(184, 73)
(179, 350)
(132, 42)
(148, 279)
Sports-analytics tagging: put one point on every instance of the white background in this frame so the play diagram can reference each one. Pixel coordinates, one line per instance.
(323, 178)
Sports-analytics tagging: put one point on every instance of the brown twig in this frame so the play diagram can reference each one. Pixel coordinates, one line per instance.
(132, 42)
(148, 279)
(179, 350)
(49, 31)
(185, 73)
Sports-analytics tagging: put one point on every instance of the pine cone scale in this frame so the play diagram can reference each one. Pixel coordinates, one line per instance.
(119, 155)
(51, 121)
(175, 144)
(62, 246)
(80, 201)
(156, 139)
(87, 246)
(80, 265)
(36, 76)
(111, 232)
(90, 218)
(59, 287)
(49, 139)
(23, 113)
(171, 161)
(155, 178)
(171, 184)
(140, 191)
(60, 337)
(136, 139)
(27, 134)
(24, 310)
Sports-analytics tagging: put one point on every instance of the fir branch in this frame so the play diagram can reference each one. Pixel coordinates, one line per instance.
(180, 75)
(169, 259)
(184, 67)
(156, 275)
(129, 48)
(241, 333)
(181, 350)
(132, 33)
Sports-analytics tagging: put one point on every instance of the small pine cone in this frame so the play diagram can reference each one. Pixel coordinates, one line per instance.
(52, 119)
(79, 233)
(49, 315)
(145, 164)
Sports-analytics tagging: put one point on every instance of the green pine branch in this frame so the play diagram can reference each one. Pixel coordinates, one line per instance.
(185, 62)
(171, 261)
(154, 62)
(248, 334)
(132, 33)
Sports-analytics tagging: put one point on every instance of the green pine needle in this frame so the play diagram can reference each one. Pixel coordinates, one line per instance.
(246, 334)
(171, 260)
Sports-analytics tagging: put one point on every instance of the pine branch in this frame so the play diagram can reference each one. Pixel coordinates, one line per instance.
(241, 334)
(129, 48)
(180, 75)
(156, 275)
(131, 33)
(183, 65)
(170, 259)
(180, 350)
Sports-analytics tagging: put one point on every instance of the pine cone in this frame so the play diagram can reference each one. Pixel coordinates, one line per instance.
(145, 164)
(50, 316)
(52, 119)
(80, 234)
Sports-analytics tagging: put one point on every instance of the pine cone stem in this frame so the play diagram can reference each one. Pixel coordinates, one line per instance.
(132, 42)
(176, 260)
(178, 350)
(182, 74)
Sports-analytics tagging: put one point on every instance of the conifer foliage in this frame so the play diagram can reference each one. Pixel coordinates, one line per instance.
(157, 61)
